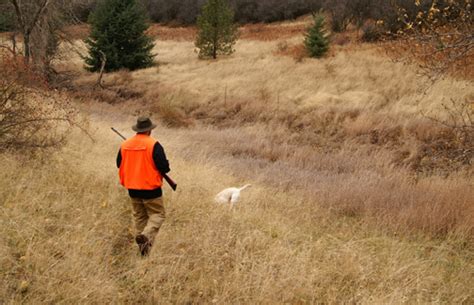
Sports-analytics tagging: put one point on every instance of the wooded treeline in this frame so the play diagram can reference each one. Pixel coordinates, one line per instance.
(184, 12)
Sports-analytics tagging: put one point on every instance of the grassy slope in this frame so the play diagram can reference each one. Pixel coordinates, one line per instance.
(327, 226)
(66, 232)
(355, 94)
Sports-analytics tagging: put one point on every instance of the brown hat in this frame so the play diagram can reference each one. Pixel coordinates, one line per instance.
(144, 124)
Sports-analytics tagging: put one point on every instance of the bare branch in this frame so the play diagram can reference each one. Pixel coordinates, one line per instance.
(19, 14)
(34, 21)
(11, 50)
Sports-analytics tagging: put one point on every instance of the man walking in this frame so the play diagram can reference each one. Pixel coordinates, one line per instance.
(142, 162)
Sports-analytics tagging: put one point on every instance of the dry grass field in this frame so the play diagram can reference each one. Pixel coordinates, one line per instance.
(356, 198)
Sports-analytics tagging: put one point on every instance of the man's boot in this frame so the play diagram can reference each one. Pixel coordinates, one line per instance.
(143, 244)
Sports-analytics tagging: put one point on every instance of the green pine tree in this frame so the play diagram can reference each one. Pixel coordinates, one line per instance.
(217, 32)
(118, 28)
(317, 38)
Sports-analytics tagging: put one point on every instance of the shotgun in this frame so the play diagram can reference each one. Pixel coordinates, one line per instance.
(165, 176)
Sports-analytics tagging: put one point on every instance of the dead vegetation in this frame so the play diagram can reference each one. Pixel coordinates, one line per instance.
(260, 31)
(356, 103)
(30, 117)
(320, 231)
(426, 144)
(363, 185)
(423, 145)
(345, 156)
(352, 96)
(272, 32)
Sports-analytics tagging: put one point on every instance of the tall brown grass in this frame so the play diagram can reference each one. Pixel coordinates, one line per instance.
(354, 102)
(299, 236)
(355, 199)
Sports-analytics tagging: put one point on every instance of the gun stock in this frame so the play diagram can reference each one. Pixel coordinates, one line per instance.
(170, 181)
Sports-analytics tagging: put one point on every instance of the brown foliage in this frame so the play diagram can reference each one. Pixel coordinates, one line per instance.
(261, 32)
(271, 122)
(297, 52)
(172, 33)
(29, 117)
(439, 38)
(421, 145)
(355, 181)
(269, 32)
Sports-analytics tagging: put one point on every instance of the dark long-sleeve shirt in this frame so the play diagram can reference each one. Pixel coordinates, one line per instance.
(161, 164)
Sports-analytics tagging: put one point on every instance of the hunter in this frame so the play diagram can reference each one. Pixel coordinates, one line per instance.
(142, 163)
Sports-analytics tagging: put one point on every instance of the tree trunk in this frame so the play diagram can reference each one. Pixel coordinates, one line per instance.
(13, 39)
(26, 46)
(28, 23)
(214, 47)
(103, 59)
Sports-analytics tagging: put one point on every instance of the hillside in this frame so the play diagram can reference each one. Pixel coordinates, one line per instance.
(351, 200)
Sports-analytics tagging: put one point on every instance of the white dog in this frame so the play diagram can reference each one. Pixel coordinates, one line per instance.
(230, 195)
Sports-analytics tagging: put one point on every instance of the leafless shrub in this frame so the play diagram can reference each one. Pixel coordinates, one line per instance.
(439, 38)
(78, 10)
(340, 14)
(29, 118)
(455, 146)
(371, 32)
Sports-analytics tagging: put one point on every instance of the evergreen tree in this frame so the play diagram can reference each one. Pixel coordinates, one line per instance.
(316, 38)
(217, 32)
(118, 28)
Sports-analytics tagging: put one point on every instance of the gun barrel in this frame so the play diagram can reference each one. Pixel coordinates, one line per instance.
(119, 134)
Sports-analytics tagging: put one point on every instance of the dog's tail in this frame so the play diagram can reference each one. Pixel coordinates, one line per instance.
(245, 186)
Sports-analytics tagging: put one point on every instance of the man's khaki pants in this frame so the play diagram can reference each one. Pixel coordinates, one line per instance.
(149, 215)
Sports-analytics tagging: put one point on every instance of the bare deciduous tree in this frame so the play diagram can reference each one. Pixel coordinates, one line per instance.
(28, 15)
(40, 23)
(440, 37)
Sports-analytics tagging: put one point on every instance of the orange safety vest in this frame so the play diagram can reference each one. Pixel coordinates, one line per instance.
(137, 169)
